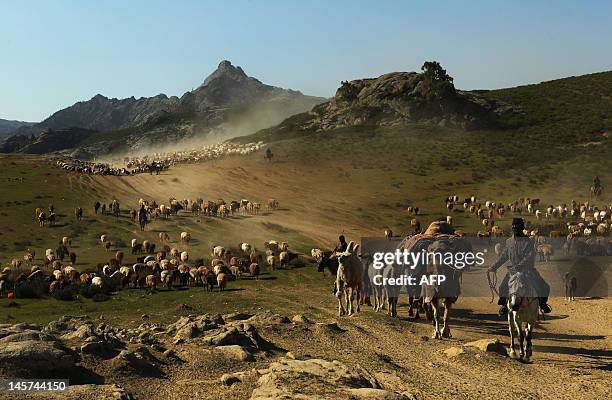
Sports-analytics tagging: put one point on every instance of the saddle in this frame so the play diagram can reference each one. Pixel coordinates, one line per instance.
(520, 285)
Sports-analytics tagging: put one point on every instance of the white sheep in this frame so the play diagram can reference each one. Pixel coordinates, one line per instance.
(317, 254)
(218, 251)
(97, 281)
(185, 237)
(184, 256)
(245, 247)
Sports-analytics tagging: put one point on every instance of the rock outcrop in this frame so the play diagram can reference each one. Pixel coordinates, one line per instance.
(404, 97)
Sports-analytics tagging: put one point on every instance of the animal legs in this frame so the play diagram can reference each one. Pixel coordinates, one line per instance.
(436, 334)
(445, 328)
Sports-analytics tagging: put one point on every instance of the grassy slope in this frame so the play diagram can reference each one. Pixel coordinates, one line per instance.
(353, 180)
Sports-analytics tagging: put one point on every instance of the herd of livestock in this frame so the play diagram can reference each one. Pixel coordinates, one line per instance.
(158, 162)
(585, 228)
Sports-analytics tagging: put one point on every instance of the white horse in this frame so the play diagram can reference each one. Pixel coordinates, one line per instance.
(522, 316)
(349, 279)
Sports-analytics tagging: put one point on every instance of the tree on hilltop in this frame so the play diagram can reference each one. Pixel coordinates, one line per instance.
(438, 84)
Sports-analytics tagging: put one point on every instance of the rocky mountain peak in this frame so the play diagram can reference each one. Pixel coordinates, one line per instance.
(227, 71)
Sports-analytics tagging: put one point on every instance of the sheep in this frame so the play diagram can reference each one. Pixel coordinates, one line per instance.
(146, 246)
(166, 278)
(272, 245)
(544, 251)
(185, 237)
(449, 219)
(254, 270)
(66, 241)
(221, 281)
(317, 254)
(73, 257)
(218, 251)
(174, 253)
(151, 281)
(245, 248)
(58, 274)
(236, 271)
(284, 246)
(497, 231)
(103, 239)
(107, 246)
(49, 252)
(208, 280)
(271, 260)
(119, 256)
(285, 258)
(164, 237)
(97, 281)
(184, 256)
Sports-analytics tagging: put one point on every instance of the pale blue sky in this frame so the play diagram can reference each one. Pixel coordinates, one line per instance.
(54, 53)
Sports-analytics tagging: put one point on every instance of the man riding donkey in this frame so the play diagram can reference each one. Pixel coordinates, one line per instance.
(520, 250)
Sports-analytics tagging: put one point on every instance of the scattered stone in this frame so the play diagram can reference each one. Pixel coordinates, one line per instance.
(229, 379)
(377, 394)
(35, 358)
(313, 378)
(453, 351)
(235, 352)
(237, 316)
(489, 346)
(300, 319)
(100, 348)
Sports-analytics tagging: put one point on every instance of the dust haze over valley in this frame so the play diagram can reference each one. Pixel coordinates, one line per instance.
(174, 247)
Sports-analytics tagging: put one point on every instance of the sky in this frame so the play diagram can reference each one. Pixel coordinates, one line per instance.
(55, 53)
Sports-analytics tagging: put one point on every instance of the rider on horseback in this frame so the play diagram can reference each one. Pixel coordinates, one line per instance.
(596, 183)
(520, 250)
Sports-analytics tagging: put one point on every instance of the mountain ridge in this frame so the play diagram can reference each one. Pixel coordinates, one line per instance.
(223, 101)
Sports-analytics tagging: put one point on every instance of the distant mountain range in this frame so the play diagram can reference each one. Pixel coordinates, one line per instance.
(227, 104)
(8, 127)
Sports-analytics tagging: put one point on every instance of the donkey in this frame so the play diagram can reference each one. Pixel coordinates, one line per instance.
(523, 305)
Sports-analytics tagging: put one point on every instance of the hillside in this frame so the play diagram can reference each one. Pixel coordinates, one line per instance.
(227, 104)
(355, 180)
(563, 112)
(8, 127)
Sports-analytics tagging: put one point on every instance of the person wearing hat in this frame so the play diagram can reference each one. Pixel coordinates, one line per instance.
(342, 246)
(520, 251)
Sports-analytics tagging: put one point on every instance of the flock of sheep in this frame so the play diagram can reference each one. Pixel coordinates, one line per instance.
(158, 162)
(167, 267)
(573, 220)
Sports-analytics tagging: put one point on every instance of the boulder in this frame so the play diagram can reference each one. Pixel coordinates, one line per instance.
(300, 319)
(312, 378)
(35, 358)
(453, 351)
(489, 346)
(229, 379)
(235, 352)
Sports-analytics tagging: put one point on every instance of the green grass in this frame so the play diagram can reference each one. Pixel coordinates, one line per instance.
(352, 180)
